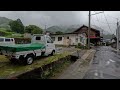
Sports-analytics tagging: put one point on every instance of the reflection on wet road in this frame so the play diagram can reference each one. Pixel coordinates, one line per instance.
(106, 64)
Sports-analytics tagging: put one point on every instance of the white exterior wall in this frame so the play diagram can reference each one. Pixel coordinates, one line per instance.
(84, 41)
(56, 39)
(72, 37)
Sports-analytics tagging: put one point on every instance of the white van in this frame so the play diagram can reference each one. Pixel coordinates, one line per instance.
(6, 41)
(42, 45)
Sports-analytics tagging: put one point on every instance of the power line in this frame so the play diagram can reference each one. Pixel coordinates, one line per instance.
(92, 21)
(107, 21)
(99, 23)
(97, 18)
(112, 17)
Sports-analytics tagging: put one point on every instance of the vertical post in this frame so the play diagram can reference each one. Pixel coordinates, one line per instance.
(89, 30)
(45, 27)
(45, 30)
(117, 34)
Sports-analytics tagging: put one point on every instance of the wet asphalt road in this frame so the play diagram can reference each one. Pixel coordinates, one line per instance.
(106, 64)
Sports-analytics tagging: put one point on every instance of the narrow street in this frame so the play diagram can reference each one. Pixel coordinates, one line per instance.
(105, 65)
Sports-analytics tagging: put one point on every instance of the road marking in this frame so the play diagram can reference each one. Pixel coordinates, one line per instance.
(96, 74)
(111, 60)
(101, 74)
(108, 62)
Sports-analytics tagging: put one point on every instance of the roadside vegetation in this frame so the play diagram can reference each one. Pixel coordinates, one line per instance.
(8, 69)
(81, 46)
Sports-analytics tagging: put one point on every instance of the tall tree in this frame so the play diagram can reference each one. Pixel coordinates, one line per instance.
(17, 26)
(33, 29)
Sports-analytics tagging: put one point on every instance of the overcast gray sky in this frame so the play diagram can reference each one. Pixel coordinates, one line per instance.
(50, 18)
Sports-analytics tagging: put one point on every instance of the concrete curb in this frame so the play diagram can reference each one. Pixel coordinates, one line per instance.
(75, 71)
(94, 51)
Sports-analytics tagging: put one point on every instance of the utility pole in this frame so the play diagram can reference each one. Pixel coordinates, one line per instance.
(45, 27)
(117, 34)
(89, 26)
(89, 30)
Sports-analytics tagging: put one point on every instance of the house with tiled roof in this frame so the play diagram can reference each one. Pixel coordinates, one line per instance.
(79, 35)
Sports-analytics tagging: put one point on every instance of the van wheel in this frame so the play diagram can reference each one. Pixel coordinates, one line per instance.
(53, 53)
(12, 61)
(29, 60)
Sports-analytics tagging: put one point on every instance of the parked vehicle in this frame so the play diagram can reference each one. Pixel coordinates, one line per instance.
(41, 45)
(6, 41)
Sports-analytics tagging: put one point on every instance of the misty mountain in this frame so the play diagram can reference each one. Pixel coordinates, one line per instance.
(64, 29)
(102, 31)
(4, 22)
(107, 36)
(54, 29)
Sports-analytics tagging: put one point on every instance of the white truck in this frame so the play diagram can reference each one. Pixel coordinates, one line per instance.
(40, 45)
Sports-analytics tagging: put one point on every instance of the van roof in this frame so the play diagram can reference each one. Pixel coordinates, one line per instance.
(2, 37)
(6, 37)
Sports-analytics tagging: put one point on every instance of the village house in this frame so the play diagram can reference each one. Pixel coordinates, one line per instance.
(69, 39)
(79, 35)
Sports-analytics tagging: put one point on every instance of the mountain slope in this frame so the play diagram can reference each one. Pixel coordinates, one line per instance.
(4, 22)
(64, 29)
(54, 29)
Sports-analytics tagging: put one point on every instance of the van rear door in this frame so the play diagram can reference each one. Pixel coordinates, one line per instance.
(49, 45)
(2, 41)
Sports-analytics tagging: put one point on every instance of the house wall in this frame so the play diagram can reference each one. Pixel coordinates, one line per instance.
(73, 40)
(84, 40)
(56, 39)
(85, 30)
(72, 37)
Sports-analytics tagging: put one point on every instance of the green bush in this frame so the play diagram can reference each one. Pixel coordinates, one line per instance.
(80, 46)
(5, 32)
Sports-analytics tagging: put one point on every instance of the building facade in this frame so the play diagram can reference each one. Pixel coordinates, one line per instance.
(79, 35)
(69, 39)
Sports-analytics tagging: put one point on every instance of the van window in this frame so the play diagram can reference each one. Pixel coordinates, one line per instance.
(53, 38)
(12, 40)
(49, 40)
(1, 39)
(7, 39)
(38, 38)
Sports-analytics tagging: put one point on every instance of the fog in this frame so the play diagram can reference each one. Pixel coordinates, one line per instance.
(51, 18)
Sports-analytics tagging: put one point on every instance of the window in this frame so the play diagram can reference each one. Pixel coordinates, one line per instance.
(1, 39)
(38, 38)
(67, 37)
(59, 38)
(49, 40)
(76, 39)
(12, 40)
(53, 38)
(7, 39)
(81, 38)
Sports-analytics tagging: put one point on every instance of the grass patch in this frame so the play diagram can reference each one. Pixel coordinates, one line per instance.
(11, 70)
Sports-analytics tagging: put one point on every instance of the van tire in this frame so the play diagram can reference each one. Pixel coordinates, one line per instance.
(53, 53)
(13, 61)
(29, 60)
